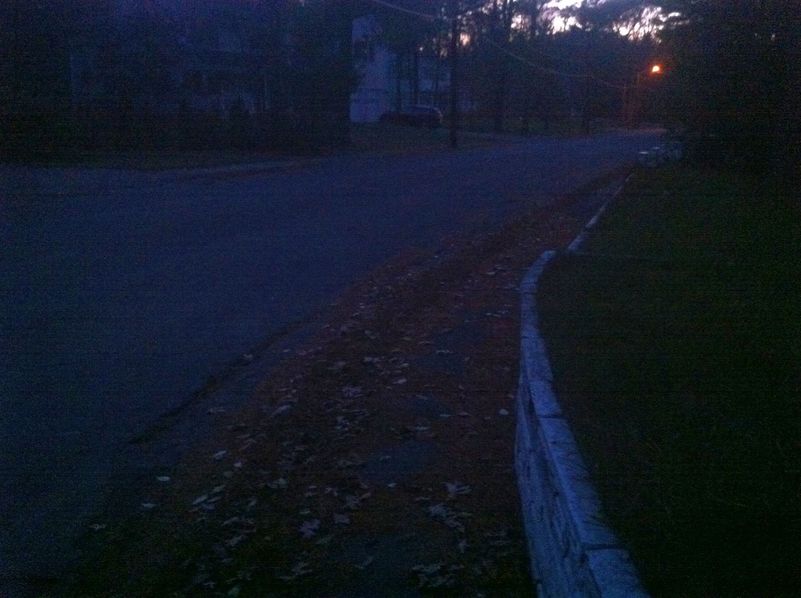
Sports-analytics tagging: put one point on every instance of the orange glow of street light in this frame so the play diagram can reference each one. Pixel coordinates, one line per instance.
(656, 69)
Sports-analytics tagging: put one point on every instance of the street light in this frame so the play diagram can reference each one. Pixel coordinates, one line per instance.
(631, 104)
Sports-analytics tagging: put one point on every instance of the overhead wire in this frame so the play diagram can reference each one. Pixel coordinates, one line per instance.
(539, 67)
(534, 65)
(424, 15)
(551, 71)
(407, 11)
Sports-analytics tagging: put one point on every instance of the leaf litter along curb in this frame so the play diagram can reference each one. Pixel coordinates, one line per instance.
(381, 447)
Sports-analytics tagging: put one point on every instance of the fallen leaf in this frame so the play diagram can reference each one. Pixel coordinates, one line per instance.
(352, 502)
(300, 569)
(456, 488)
(308, 529)
(341, 519)
(351, 392)
(232, 542)
(439, 510)
(503, 412)
(163, 478)
(448, 517)
(282, 409)
(219, 455)
(440, 581)
(365, 563)
(200, 499)
(427, 569)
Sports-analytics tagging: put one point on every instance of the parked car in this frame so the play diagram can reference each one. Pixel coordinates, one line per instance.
(415, 116)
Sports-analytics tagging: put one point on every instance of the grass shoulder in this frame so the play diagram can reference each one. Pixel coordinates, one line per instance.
(675, 353)
(366, 138)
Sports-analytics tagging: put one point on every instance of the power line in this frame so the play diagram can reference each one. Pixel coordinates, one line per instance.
(551, 71)
(607, 83)
(432, 17)
(424, 15)
(555, 58)
(534, 65)
(407, 11)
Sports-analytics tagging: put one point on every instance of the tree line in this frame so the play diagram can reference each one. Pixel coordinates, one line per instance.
(188, 74)
(523, 62)
(736, 81)
(730, 74)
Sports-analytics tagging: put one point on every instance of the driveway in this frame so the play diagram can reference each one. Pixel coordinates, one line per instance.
(124, 293)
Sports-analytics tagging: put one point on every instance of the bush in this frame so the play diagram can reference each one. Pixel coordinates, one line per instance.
(46, 136)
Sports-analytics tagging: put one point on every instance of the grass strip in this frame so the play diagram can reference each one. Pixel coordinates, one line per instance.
(674, 342)
(366, 138)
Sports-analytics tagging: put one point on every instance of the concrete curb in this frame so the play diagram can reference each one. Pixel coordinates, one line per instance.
(573, 552)
(576, 243)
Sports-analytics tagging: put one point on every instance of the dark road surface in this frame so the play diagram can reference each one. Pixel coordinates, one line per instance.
(121, 293)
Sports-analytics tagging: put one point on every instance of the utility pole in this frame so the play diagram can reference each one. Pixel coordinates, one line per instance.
(624, 109)
(586, 119)
(454, 59)
(339, 14)
(15, 57)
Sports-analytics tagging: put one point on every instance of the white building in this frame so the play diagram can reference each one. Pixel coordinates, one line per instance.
(385, 85)
(376, 67)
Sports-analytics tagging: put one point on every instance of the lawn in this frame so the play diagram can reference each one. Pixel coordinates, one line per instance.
(675, 347)
(561, 126)
(375, 138)
(155, 160)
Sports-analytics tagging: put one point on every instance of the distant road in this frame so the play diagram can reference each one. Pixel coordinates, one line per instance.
(121, 293)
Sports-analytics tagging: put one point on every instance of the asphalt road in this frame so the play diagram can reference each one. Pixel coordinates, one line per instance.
(121, 292)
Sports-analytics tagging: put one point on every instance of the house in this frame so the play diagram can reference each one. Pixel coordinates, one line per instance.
(389, 81)
(376, 66)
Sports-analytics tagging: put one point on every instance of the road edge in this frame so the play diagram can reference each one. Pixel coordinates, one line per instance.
(571, 548)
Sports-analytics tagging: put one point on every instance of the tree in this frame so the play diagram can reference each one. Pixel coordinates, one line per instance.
(34, 87)
(535, 88)
(736, 78)
(322, 75)
(410, 29)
